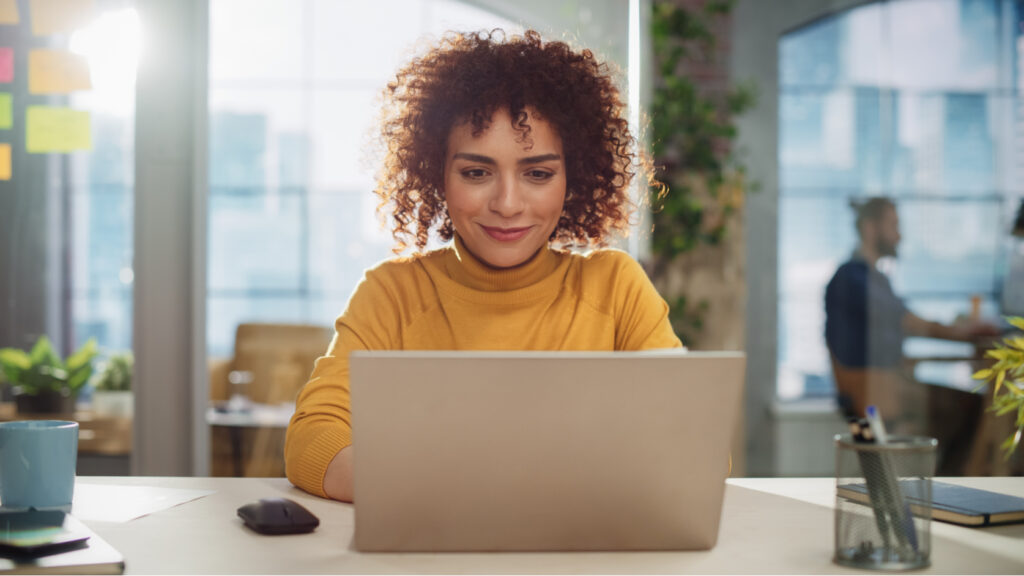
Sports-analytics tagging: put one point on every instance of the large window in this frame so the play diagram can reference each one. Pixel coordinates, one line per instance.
(918, 100)
(66, 200)
(292, 222)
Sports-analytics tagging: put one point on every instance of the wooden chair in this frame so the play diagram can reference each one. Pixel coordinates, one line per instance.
(279, 358)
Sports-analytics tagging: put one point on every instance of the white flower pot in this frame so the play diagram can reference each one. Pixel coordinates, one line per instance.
(114, 404)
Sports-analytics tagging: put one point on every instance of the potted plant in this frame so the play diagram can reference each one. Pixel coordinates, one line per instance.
(42, 381)
(1007, 376)
(112, 394)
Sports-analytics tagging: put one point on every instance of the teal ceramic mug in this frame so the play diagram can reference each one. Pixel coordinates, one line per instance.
(37, 464)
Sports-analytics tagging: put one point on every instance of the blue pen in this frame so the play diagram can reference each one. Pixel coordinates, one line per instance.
(901, 515)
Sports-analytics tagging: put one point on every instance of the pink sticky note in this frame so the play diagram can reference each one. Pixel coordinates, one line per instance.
(6, 64)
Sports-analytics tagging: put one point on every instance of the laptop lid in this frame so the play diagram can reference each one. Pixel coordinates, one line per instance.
(460, 451)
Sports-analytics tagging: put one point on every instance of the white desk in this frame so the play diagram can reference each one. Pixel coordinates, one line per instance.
(769, 526)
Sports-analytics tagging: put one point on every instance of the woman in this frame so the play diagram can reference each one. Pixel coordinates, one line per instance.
(506, 146)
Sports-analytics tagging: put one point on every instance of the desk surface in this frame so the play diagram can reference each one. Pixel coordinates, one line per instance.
(769, 526)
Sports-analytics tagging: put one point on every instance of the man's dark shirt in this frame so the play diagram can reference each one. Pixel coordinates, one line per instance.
(863, 317)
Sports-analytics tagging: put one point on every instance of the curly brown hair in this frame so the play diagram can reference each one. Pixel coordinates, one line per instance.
(467, 77)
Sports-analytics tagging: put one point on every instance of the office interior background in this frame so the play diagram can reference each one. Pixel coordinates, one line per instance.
(228, 181)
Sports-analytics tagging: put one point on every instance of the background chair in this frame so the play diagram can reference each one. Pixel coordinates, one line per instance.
(278, 359)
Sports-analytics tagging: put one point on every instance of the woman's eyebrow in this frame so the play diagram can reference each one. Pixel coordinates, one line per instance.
(474, 158)
(488, 160)
(538, 159)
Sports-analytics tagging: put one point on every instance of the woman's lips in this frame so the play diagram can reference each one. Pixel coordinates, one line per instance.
(505, 234)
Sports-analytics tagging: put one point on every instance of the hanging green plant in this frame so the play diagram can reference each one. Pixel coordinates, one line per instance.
(692, 135)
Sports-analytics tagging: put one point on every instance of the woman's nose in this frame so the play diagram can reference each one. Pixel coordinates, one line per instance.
(508, 198)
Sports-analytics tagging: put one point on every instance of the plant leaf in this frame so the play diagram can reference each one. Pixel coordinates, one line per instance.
(82, 356)
(13, 362)
(1016, 321)
(982, 374)
(44, 354)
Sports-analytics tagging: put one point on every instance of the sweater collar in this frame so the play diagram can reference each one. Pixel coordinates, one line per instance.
(466, 269)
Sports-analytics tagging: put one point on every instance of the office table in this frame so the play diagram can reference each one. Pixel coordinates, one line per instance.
(769, 526)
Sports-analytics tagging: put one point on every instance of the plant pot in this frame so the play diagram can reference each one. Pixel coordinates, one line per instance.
(113, 403)
(45, 402)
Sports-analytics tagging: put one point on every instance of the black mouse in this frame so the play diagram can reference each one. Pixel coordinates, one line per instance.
(278, 516)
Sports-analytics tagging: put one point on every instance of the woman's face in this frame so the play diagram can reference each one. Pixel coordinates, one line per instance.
(505, 196)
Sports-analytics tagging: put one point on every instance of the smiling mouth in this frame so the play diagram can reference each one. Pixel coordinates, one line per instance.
(505, 234)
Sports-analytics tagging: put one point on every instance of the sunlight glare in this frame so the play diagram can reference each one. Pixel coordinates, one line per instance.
(112, 44)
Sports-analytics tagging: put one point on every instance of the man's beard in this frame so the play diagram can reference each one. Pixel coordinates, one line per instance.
(885, 248)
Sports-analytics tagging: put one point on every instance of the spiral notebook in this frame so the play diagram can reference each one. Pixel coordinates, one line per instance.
(956, 504)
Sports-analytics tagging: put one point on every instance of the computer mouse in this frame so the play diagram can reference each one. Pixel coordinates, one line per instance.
(278, 516)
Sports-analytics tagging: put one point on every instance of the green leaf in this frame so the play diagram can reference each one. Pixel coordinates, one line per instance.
(79, 377)
(999, 380)
(13, 362)
(982, 374)
(1016, 321)
(43, 353)
(82, 356)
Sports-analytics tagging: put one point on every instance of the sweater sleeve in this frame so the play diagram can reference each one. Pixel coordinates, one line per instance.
(641, 314)
(322, 424)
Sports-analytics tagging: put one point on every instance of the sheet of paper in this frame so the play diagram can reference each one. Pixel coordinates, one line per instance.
(5, 161)
(59, 16)
(6, 64)
(57, 72)
(57, 130)
(122, 503)
(6, 111)
(9, 12)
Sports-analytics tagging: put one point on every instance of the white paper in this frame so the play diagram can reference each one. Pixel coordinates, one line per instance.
(122, 503)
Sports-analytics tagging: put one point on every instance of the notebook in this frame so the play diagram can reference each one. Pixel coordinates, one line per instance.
(87, 553)
(499, 451)
(956, 504)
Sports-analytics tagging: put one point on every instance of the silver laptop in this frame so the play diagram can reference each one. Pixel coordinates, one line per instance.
(498, 451)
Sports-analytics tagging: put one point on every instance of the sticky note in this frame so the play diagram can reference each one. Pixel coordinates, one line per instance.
(6, 64)
(57, 72)
(49, 129)
(5, 161)
(6, 114)
(8, 11)
(59, 16)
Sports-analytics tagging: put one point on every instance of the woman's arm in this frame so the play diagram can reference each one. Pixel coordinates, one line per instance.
(317, 457)
(338, 479)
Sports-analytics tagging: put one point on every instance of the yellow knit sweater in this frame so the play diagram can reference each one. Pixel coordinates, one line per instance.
(448, 300)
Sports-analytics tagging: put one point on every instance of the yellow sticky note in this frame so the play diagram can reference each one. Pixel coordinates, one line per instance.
(59, 16)
(8, 11)
(6, 116)
(57, 72)
(50, 129)
(5, 161)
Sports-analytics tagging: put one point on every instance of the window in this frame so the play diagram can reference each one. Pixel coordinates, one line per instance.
(66, 213)
(917, 100)
(292, 222)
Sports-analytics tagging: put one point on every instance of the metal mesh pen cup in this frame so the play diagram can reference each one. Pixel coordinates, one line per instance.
(882, 520)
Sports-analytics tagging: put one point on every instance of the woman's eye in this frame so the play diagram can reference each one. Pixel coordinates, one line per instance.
(539, 175)
(474, 173)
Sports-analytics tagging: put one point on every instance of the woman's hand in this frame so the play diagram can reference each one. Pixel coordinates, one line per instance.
(338, 479)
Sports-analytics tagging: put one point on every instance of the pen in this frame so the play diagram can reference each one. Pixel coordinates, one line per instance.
(862, 434)
(876, 424)
(900, 515)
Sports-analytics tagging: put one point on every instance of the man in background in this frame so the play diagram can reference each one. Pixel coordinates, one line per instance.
(865, 325)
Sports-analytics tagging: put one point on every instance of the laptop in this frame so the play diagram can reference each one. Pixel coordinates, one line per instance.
(534, 451)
